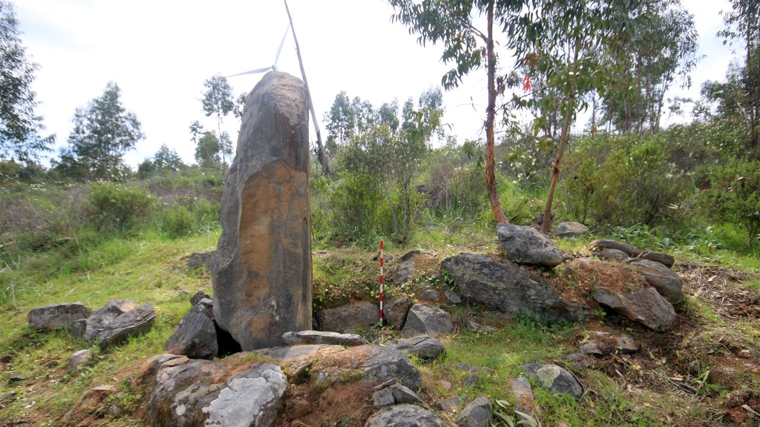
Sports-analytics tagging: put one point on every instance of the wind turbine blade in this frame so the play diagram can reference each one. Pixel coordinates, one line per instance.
(279, 49)
(256, 71)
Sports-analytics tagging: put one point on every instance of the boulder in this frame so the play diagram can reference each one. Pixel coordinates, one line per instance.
(526, 245)
(502, 285)
(201, 392)
(478, 413)
(395, 310)
(667, 283)
(404, 271)
(554, 378)
(134, 322)
(427, 319)
(404, 415)
(620, 288)
(569, 229)
(262, 268)
(105, 315)
(664, 259)
(349, 317)
(195, 337)
(321, 337)
(422, 346)
(201, 259)
(630, 250)
(57, 316)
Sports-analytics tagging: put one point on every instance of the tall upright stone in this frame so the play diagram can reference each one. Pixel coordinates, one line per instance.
(262, 271)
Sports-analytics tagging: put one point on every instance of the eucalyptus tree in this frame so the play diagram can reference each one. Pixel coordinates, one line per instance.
(743, 23)
(19, 125)
(452, 23)
(217, 100)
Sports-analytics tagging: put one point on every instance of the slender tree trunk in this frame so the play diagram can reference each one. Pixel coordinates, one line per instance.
(562, 142)
(393, 211)
(493, 196)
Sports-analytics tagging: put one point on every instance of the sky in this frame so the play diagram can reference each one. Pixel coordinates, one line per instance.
(160, 52)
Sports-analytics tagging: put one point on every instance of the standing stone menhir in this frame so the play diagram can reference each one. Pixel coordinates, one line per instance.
(262, 270)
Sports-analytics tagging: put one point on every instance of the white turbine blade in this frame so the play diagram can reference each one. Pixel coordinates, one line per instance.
(256, 71)
(276, 58)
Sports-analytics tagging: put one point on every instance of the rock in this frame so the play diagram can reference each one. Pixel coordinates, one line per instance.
(404, 415)
(349, 317)
(80, 359)
(430, 296)
(57, 316)
(422, 346)
(385, 363)
(404, 271)
(630, 250)
(478, 413)
(202, 392)
(667, 283)
(200, 295)
(201, 259)
(409, 255)
(502, 285)
(395, 395)
(554, 378)
(395, 311)
(15, 378)
(134, 322)
(526, 245)
(523, 397)
(621, 289)
(452, 297)
(428, 319)
(195, 336)
(450, 404)
(105, 315)
(569, 229)
(262, 274)
(579, 360)
(477, 327)
(446, 385)
(602, 343)
(475, 369)
(321, 337)
(664, 259)
(78, 328)
(612, 255)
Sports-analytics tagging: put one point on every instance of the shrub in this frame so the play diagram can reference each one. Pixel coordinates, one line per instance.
(354, 203)
(118, 207)
(734, 196)
(177, 221)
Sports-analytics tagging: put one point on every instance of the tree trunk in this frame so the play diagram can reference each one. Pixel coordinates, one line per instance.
(562, 142)
(493, 196)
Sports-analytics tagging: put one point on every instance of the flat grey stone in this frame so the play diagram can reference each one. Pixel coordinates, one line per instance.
(478, 413)
(57, 316)
(664, 259)
(630, 250)
(570, 229)
(105, 315)
(403, 415)
(134, 322)
(428, 319)
(667, 283)
(423, 346)
(554, 378)
(80, 359)
(323, 337)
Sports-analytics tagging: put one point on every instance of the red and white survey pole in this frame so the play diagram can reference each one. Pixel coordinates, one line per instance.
(381, 282)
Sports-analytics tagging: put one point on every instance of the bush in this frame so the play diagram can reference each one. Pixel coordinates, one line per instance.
(177, 221)
(354, 204)
(118, 207)
(734, 196)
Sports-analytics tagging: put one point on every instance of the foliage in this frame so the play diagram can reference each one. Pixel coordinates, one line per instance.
(19, 125)
(103, 132)
(207, 151)
(353, 203)
(165, 160)
(117, 207)
(734, 196)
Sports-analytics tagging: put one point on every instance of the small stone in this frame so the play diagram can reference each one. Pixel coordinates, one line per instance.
(612, 255)
(664, 259)
(630, 250)
(200, 295)
(383, 397)
(402, 394)
(452, 297)
(430, 296)
(570, 229)
(450, 404)
(16, 378)
(80, 359)
(201, 259)
(404, 271)
(423, 346)
(445, 384)
(477, 327)
(478, 413)
(554, 378)
(523, 393)
(470, 379)
(78, 328)
(113, 411)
